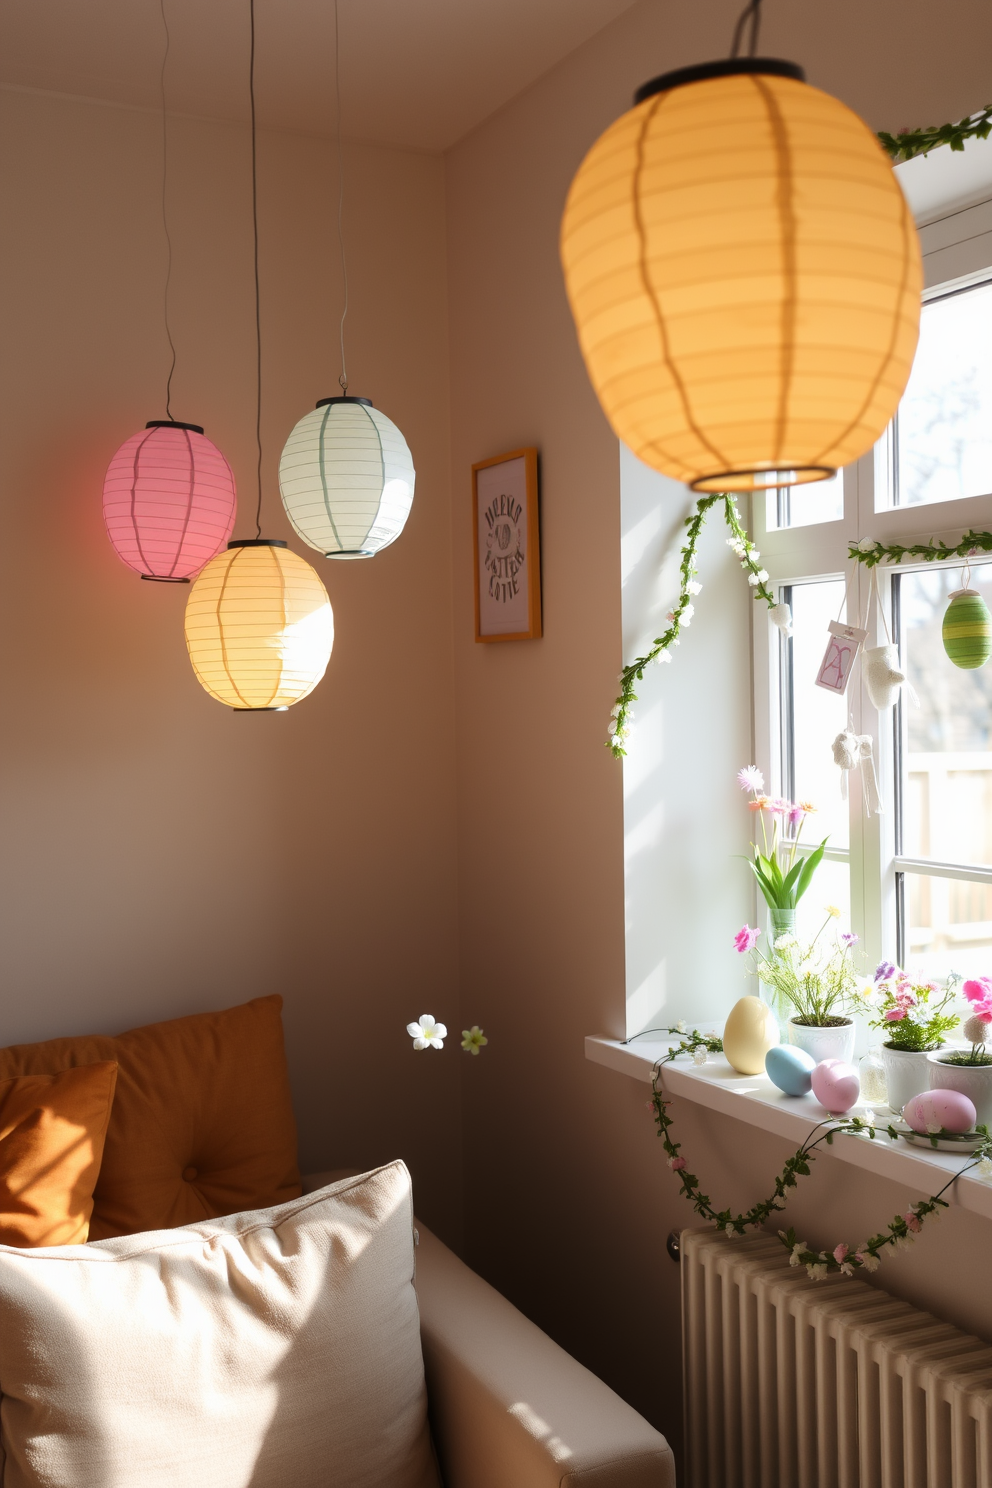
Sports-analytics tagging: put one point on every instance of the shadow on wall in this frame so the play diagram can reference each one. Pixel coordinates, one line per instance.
(684, 823)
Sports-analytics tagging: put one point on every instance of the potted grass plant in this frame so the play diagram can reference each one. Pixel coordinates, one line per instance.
(970, 1070)
(916, 1018)
(783, 873)
(813, 985)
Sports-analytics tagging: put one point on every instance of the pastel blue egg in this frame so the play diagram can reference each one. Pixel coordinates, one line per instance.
(790, 1068)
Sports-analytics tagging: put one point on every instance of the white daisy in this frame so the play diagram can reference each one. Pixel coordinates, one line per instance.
(427, 1033)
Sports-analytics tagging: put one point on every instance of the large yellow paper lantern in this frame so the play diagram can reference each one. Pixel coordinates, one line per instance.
(259, 627)
(745, 277)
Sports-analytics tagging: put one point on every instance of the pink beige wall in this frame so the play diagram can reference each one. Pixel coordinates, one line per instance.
(161, 854)
(569, 1202)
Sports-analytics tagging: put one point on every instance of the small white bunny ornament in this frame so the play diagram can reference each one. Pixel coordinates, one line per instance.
(882, 675)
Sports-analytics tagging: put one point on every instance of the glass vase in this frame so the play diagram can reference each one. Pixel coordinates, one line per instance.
(783, 922)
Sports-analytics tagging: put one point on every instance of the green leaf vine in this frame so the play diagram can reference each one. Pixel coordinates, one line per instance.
(871, 553)
(682, 611)
(901, 1229)
(908, 143)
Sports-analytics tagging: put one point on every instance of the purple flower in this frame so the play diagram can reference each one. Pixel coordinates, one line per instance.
(746, 939)
(884, 971)
(849, 938)
(796, 814)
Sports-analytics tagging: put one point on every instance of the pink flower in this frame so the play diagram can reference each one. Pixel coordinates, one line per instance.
(895, 1015)
(840, 1253)
(796, 814)
(781, 807)
(676, 1164)
(849, 938)
(977, 990)
(912, 1221)
(746, 939)
(983, 1011)
(751, 779)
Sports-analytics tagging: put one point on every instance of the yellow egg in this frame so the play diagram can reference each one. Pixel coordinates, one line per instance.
(750, 1031)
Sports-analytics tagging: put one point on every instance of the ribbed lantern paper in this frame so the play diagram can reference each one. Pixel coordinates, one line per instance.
(259, 627)
(169, 501)
(346, 478)
(745, 277)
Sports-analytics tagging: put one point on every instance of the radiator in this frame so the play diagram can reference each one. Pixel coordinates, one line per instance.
(792, 1383)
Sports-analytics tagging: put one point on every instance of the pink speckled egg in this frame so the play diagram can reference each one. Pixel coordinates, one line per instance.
(836, 1085)
(940, 1110)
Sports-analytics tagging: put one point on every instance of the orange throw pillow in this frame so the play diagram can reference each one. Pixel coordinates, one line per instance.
(202, 1123)
(52, 1131)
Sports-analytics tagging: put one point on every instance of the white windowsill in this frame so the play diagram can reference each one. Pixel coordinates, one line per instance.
(755, 1100)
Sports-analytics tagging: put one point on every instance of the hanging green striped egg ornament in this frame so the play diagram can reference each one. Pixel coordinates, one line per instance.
(967, 630)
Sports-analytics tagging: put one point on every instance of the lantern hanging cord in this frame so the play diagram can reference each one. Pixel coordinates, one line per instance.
(165, 218)
(258, 317)
(343, 379)
(750, 12)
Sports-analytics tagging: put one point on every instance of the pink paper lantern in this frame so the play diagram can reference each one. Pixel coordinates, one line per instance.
(169, 501)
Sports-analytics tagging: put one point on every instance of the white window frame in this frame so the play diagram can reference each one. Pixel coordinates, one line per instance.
(957, 251)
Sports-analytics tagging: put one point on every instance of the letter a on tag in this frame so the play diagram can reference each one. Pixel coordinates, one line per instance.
(842, 651)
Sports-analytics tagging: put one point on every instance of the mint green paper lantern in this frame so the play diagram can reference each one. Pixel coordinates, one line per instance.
(967, 630)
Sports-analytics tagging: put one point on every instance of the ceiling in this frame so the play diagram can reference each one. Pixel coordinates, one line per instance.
(415, 73)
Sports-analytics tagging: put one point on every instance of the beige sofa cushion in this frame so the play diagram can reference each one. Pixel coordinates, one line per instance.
(273, 1349)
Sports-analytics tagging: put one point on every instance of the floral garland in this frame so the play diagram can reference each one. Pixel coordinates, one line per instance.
(908, 143)
(900, 1231)
(871, 553)
(682, 612)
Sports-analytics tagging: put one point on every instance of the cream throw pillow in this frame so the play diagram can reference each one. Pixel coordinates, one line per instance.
(273, 1349)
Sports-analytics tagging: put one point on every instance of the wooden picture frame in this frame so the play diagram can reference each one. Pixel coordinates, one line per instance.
(506, 542)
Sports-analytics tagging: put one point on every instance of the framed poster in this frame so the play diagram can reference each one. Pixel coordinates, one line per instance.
(507, 547)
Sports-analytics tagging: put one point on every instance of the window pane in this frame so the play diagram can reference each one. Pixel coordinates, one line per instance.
(949, 925)
(831, 887)
(817, 716)
(801, 506)
(947, 785)
(944, 425)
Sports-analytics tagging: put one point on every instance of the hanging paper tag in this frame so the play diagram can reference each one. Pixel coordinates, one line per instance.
(842, 651)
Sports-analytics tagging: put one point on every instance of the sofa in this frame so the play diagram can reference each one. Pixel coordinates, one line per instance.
(508, 1407)
(231, 1324)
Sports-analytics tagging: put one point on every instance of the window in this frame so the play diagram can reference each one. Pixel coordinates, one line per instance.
(915, 881)
(943, 803)
(942, 436)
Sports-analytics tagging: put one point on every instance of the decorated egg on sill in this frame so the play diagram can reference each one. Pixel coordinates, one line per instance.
(933, 1111)
(836, 1085)
(790, 1068)
(749, 1032)
(967, 629)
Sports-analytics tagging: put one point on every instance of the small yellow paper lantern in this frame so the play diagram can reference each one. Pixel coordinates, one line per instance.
(259, 627)
(745, 277)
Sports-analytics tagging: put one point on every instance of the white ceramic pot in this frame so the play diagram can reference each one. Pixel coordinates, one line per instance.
(906, 1074)
(973, 1080)
(836, 1041)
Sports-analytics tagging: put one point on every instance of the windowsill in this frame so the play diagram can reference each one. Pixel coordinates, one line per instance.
(755, 1100)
